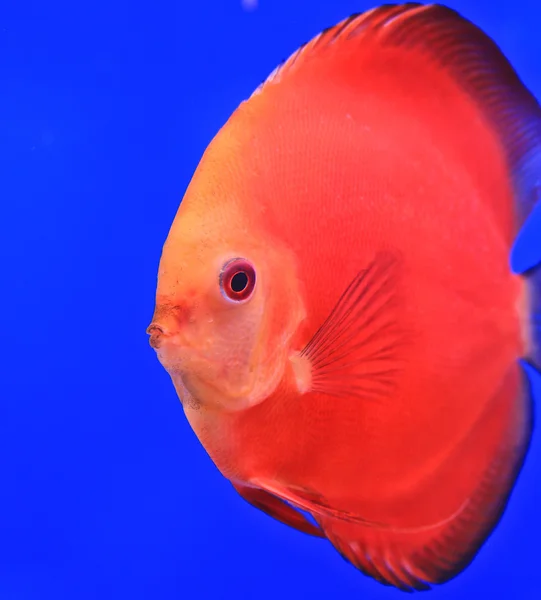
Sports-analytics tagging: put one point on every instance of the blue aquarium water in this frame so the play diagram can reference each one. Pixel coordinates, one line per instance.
(105, 493)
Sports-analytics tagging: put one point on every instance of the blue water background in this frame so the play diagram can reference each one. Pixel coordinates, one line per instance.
(105, 493)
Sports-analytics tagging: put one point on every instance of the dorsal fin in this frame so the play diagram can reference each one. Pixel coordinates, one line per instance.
(439, 34)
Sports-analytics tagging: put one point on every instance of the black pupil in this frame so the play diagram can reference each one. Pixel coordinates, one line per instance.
(239, 281)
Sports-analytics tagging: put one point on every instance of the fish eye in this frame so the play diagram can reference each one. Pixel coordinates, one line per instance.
(237, 280)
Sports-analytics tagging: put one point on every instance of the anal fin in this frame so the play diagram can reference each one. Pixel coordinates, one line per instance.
(414, 557)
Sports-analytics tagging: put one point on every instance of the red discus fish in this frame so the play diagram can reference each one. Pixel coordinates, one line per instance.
(335, 304)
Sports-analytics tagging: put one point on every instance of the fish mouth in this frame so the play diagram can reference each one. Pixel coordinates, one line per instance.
(167, 344)
(157, 335)
(167, 322)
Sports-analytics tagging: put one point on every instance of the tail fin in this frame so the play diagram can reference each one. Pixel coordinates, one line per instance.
(516, 116)
(526, 259)
(519, 127)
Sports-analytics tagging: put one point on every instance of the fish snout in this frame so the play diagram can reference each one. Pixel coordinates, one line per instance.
(166, 323)
(157, 335)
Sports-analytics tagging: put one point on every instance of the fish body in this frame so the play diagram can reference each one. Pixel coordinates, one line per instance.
(335, 304)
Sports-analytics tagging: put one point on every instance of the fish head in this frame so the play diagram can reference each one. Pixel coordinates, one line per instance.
(228, 302)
